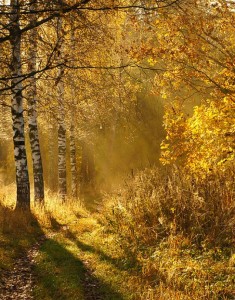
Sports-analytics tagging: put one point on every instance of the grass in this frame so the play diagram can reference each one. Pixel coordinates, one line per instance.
(66, 258)
(159, 238)
(59, 273)
(18, 232)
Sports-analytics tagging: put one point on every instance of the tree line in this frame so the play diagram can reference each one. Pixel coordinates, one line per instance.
(90, 60)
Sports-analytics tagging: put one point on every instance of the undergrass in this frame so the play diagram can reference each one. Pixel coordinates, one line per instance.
(180, 232)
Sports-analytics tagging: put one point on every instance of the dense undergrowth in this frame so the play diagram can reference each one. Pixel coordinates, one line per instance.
(180, 231)
(162, 236)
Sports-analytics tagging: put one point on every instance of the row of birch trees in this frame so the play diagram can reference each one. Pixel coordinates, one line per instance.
(85, 65)
(62, 47)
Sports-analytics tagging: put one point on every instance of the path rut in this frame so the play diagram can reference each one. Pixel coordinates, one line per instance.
(18, 283)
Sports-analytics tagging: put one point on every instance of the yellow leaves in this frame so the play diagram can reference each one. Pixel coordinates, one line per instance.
(196, 51)
(164, 146)
(164, 95)
(152, 61)
(204, 141)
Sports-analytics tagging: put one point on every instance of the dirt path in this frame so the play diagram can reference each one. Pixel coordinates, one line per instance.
(90, 285)
(18, 283)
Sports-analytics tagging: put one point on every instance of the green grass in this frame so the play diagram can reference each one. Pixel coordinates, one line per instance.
(82, 246)
(65, 260)
(59, 273)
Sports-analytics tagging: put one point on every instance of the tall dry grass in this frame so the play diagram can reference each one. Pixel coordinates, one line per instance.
(11, 221)
(154, 206)
(53, 209)
(180, 231)
(19, 229)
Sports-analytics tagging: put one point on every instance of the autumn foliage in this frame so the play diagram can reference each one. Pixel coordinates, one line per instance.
(130, 107)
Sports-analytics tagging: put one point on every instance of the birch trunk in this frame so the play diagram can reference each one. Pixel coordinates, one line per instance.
(61, 143)
(22, 176)
(61, 122)
(52, 159)
(32, 118)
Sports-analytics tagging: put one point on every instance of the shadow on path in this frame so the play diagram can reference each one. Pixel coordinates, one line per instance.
(91, 284)
(61, 276)
(120, 263)
(47, 270)
(18, 231)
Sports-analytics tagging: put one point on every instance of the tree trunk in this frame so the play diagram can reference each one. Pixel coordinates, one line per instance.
(62, 159)
(52, 173)
(61, 121)
(22, 176)
(32, 118)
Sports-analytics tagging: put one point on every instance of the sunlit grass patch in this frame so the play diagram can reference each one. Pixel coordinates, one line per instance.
(65, 260)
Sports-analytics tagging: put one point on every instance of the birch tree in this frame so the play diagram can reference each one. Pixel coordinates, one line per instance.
(73, 161)
(61, 118)
(73, 164)
(32, 114)
(22, 177)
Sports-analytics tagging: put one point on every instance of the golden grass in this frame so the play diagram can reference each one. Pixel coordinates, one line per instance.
(20, 229)
(160, 238)
(179, 231)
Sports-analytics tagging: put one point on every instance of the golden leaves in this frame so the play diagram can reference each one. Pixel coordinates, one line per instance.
(204, 141)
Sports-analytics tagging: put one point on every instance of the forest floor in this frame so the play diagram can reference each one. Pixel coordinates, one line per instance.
(47, 256)
(65, 252)
(20, 282)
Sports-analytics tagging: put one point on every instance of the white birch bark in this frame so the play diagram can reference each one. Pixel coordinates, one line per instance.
(22, 177)
(32, 117)
(61, 121)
